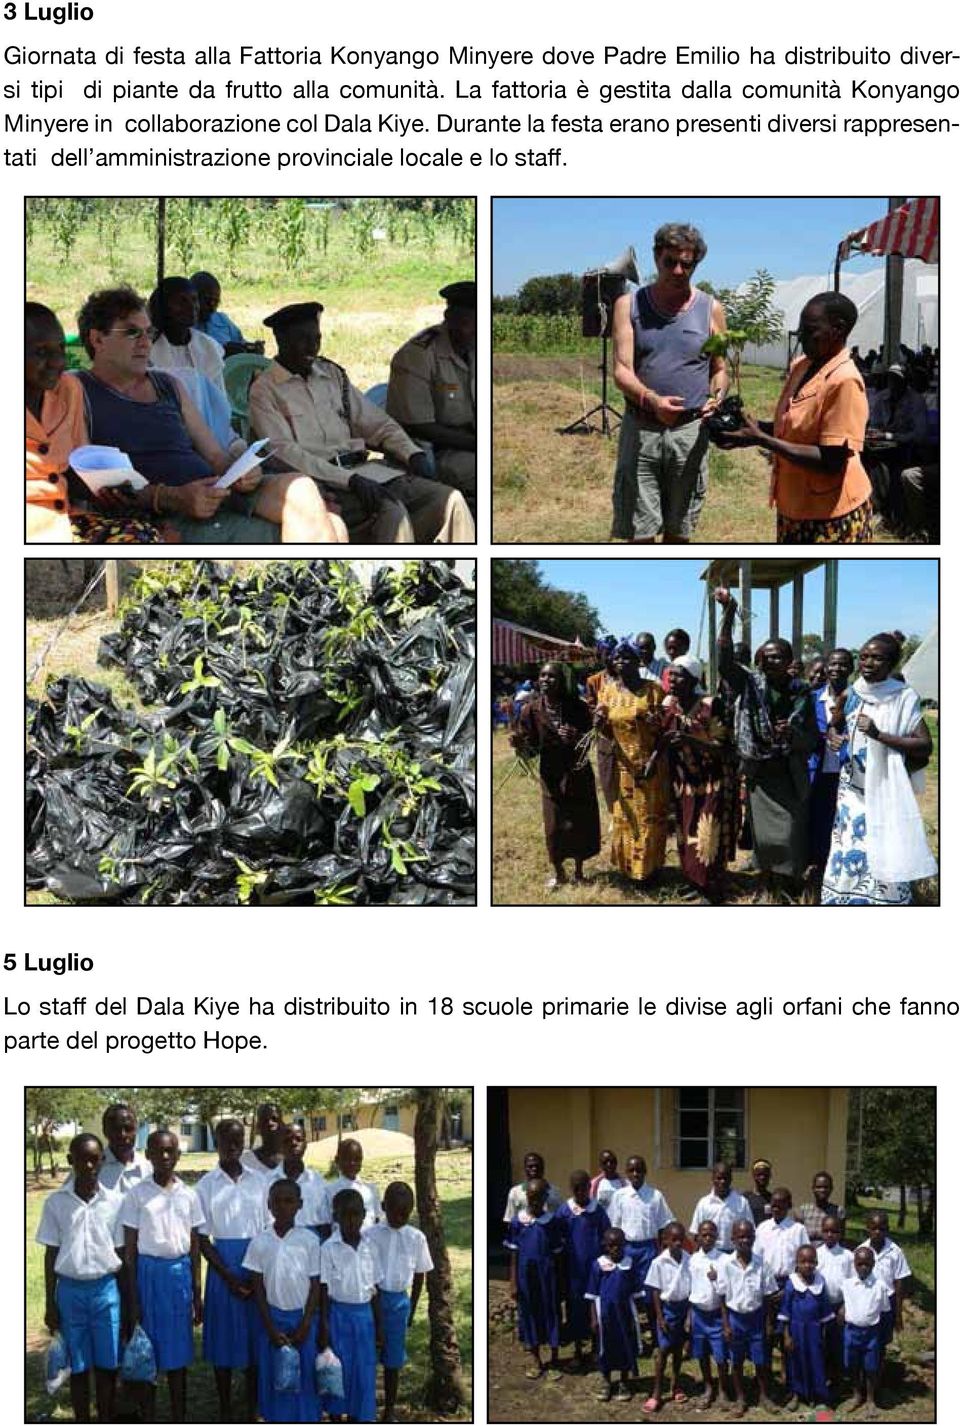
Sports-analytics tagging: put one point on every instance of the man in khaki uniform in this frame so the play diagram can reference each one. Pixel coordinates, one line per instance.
(433, 389)
(319, 423)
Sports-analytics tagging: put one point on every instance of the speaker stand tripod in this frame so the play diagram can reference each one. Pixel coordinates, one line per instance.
(606, 412)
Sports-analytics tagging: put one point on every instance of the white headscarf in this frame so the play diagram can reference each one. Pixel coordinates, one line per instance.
(896, 841)
(693, 667)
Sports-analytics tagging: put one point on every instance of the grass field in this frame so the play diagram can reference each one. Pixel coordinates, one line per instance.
(520, 866)
(377, 292)
(547, 486)
(454, 1177)
(909, 1394)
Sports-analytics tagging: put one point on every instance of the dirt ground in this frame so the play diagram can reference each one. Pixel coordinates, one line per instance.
(513, 1398)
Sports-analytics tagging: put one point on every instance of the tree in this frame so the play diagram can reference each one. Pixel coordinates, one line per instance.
(899, 1136)
(445, 1389)
(811, 646)
(553, 296)
(752, 319)
(48, 1108)
(520, 593)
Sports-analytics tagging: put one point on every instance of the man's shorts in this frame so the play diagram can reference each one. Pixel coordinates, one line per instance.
(235, 523)
(861, 1347)
(661, 479)
(90, 1322)
(706, 1335)
(747, 1339)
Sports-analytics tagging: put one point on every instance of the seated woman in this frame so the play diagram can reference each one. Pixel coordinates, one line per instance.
(628, 713)
(551, 724)
(879, 845)
(173, 308)
(702, 778)
(149, 415)
(819, 486)
(54, 427)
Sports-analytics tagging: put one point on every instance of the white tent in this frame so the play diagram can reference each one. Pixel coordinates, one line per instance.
(921, 308)
(922, 668)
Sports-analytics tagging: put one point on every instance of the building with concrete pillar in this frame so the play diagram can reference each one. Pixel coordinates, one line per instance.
(746, 575)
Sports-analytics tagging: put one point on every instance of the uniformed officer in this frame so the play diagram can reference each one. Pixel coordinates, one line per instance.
(433, 389)
(318, 422)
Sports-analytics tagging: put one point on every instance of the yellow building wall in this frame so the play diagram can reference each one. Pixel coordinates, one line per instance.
(801, 1130)
(408, 1115)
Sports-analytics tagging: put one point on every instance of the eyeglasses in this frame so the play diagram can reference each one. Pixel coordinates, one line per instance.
(135, 334)
(671, 262)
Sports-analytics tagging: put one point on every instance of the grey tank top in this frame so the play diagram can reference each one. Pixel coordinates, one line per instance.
(666, 350)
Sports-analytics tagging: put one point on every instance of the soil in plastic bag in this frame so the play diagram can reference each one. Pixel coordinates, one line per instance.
(304, 741)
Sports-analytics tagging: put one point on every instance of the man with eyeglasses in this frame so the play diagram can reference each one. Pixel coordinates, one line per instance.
(669, 387)
(148, 414)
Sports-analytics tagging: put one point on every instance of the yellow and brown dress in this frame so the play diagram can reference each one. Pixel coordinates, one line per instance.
(704, 787)
(640, 811)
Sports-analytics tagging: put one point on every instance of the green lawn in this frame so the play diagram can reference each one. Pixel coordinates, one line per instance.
(454, 1178)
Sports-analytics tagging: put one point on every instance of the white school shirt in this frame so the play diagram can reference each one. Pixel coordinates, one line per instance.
(834, 1264)
(703, 1290)
(606, 1188)
(163, 1217)
(314, 1209)
(864, 1300)
(232, 1208)
(403, 1252)
(744, 1288)
(87, 1234)
(722, 1211)
(287, 1264)
(114, 1173)
(350, 1274)
(891, 1265)
(778, 1243)
(816, 1287)
(517, 1201)
(249, 1161)
(640, 1212)
(367, 1191)
(671, 1279)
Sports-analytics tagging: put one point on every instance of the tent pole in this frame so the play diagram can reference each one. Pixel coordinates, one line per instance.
(836, 269)
(797, 639)
(892, 296)
(712, 633)
(161, 236)
(831, 578)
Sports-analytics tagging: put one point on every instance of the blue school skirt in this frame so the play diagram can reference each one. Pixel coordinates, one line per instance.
(228, 1320)
(302, 1405)
(861, 1346)
(706, 1335)
(748, 1338)
(395, 1312)
(165, 1288)
(90, 1321)
(641, 1253)
(674, 1316)
(353, 1339)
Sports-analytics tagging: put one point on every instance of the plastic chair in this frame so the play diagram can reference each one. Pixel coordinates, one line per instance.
(378, 395)
(238, 373)
(76, 353)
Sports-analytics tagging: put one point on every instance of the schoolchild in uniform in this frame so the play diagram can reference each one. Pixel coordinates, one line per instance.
(123, 1166)
(804, 1311)
(284, 1262)
(81, 1231)
(747, 1288)
(669, 1284)
(161, 1217)
(834, 1263)
(706, 1318)
(268, 1153)
(350, 1162)
(724, 1205)
(351, 1320)
(892, 1269)
(583, 1223)
(314, 1199)
(404, 1261)
(533, 1167)
(605, 1184)
(234, 1212)
(535, 1242)
(865, 1304)
(779, 1237)
(612, 1294)
(641, 1211)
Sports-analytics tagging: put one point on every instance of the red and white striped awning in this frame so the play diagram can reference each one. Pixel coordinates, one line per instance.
(913, 230)
(513, 644)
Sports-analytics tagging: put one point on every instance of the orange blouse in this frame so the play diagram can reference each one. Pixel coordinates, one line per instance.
(829, 410)
(60, 429)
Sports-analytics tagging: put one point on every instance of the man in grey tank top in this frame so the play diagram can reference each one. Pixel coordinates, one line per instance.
(658, 333)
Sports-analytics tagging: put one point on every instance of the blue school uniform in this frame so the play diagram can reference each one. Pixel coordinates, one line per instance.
(288, 1264)
(538, 1244)
(612, 1288)
(87, 1235)
(90, 1322)
(164, 1219)
(582, 1231)
(352, 1276)
(805, 1309)
(234, 1213)
(403, 1252)
(302, 1405)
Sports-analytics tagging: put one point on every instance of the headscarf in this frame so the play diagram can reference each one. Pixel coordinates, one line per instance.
(693, 667)
(626, 649)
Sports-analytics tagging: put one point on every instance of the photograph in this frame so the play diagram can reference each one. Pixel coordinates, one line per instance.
(175, 387)
(765, 1253)
(249, 1254)
(716, 370)
(252, 732)
(738, 767)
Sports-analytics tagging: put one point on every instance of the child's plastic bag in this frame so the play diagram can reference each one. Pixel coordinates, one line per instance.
(57, 1365)
(329, 1373)
(286, 1369)
(139, 1361)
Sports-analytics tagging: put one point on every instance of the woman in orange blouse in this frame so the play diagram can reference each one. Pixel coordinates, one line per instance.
(819, 486)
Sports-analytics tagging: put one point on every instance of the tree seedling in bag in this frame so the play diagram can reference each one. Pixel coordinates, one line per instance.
(139, 1361)
(286, 1370)
(329, 1372)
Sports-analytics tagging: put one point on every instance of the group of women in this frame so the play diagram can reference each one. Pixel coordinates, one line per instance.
(821, 784)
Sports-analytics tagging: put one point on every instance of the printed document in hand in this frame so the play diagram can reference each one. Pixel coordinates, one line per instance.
(243, 463)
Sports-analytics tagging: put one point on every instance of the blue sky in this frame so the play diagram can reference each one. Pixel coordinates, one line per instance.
(662, 594)
(792, 237)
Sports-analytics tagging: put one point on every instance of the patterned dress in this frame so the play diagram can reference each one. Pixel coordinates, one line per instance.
(705, 792)
(639, 843)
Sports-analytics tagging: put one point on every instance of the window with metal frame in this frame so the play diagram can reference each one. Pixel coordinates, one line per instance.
(709, 1124)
